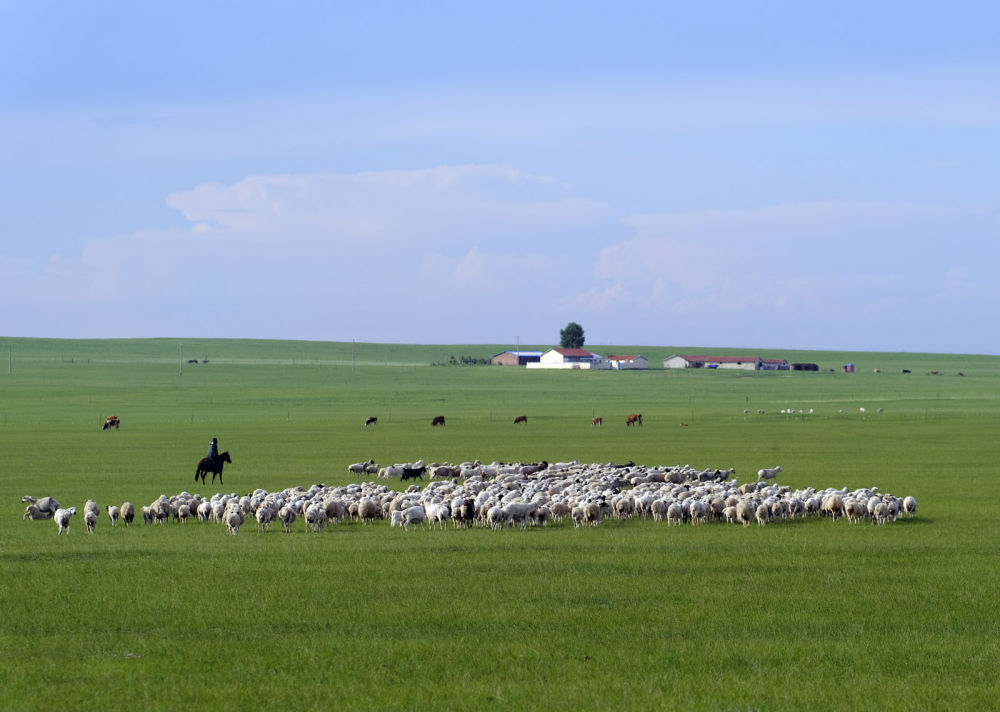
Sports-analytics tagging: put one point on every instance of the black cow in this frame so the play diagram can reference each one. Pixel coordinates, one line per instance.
(371, 421)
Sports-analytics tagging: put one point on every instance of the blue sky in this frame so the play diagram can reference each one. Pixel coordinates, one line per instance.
(770, 175)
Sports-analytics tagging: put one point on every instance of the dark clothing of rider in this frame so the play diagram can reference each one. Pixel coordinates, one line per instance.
(213, 449)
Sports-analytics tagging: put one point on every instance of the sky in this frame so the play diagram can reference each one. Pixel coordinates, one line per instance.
(731, 174)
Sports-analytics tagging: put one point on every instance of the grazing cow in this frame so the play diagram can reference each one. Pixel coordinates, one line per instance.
(371, 421)
(634, 419)
(521, 419)
(111, 422)
(438, 420)
(412, 473)
(597, 421)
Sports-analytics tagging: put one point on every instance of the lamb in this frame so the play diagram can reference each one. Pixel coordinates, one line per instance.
(768, 473)
(910, 505)
(113, 514)
(396, 519)
(127, 512)
(62, 517)
(763, 515)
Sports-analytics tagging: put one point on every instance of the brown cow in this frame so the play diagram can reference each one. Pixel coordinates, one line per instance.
(634, 419)
(521, 419)
(438, 420)
(597, 421)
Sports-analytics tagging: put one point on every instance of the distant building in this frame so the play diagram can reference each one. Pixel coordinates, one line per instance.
(516, 358)
(570, 358)
(773, 364)
(746, 363)
(623, 363)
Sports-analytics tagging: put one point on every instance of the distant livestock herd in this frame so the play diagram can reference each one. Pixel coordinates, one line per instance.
(502, 496)
(632, 419)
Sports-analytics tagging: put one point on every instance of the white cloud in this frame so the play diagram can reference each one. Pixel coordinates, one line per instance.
(854, 267)
(355, 212)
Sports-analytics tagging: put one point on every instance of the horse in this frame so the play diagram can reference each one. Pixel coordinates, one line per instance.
(438, 420)
(111, 422)
(597, 421)
(521, 419)
(213, 465)
(634, 419)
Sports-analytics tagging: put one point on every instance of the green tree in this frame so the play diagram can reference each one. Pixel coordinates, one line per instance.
(572, 336)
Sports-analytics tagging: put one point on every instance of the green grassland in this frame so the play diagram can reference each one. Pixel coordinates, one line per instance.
(628, 615)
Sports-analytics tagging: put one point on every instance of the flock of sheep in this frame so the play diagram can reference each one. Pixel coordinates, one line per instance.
(502, 496)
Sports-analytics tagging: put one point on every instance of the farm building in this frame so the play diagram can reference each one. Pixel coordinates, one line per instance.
(516, 358)
(623, 363)
(773, 364)
(746, 363)
(570, 358)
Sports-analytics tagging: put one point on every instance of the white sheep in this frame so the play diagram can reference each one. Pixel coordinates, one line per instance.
(33, 512)
(592, 514)
(233, 521)
(368, 510)
(414, 515)
(768, 473)
(287, 516)
(91, 506)
(90, 519)
(265, 515)
(62, 517)
(745, 511)
(128, 513)
(47, 506)
(910, 505)
(762, 514)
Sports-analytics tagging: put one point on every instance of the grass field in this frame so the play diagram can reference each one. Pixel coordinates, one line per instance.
(629, 615)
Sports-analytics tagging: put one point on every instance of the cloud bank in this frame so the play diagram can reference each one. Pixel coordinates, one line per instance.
(490, 254)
